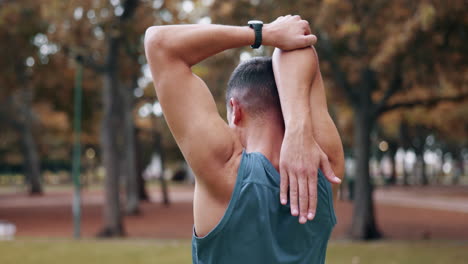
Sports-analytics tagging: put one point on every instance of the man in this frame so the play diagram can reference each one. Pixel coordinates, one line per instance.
(276, 121)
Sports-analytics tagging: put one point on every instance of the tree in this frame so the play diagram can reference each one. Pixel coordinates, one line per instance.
(112, 100)
(108, 36)
(18, 25)
(385, 65)
(98, 35)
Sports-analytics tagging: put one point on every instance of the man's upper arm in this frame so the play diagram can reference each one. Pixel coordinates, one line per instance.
(204, 138)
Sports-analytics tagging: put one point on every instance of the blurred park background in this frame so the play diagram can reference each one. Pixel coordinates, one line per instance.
(85, 152)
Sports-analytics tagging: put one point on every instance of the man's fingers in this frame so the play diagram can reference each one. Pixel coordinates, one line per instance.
(312, 185)
(303, 198)
(293, 194)
(306, 26)
(328, 171)
(309, 40)
(284, 182)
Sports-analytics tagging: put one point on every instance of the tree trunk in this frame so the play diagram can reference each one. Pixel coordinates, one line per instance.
(405, 174)
(130, 170)
(405, 142)
(458, 173)
(363, 225)
(420, 147)
(164, 190)
(424, 179)
(458, 168)
(392, 152)
(140, 162)
(113, 226)
(142, 193)
(31, 164)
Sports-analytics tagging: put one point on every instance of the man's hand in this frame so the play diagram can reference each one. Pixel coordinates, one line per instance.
(300, 159)
(288, 33)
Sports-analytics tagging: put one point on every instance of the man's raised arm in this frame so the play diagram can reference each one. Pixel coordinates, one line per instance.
(311, 139)
(187, 104)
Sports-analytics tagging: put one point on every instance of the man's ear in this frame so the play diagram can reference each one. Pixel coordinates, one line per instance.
(236, 113)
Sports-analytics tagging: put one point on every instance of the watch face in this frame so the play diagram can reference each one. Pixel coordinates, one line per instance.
(253, 22)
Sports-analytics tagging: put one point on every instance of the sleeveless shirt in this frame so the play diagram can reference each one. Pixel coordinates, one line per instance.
(256, 228)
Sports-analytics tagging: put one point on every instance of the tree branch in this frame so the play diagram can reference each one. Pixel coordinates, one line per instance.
(424, 103)
(338, 74)
(89, 62)
(86, 60)
(129, 8)
(395, 85)
(377, 5)
(396, 42)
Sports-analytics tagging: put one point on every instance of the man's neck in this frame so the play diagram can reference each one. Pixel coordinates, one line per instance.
(266, 137)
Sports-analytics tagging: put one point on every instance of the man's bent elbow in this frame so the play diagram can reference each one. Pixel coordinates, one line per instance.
(155, 41)
(337, 162)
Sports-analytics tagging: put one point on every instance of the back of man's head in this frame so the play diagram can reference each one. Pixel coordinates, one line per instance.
(253, 84)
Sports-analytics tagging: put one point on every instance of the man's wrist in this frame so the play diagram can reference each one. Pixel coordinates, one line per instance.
(266, 36)
(298, 125)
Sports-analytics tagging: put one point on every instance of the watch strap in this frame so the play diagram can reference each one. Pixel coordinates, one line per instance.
(258, 35)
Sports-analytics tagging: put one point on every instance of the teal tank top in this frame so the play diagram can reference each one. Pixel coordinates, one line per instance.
(257, 229)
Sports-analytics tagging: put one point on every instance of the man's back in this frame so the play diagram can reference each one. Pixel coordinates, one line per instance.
(256, 228)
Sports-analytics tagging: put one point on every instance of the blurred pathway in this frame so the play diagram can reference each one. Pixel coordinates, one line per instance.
(414, 199)
(419, 197)
(401, 213)
(92, 197)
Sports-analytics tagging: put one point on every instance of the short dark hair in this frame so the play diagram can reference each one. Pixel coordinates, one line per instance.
(253, 84)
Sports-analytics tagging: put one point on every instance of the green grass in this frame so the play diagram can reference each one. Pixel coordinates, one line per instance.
(25, 251)
(397, 252)
(94, 252)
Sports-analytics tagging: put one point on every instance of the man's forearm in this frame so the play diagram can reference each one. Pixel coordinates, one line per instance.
(194, 43)
(294, 74)
(298, 77)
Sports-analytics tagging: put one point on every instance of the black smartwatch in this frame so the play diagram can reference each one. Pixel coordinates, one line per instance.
(257, 26)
